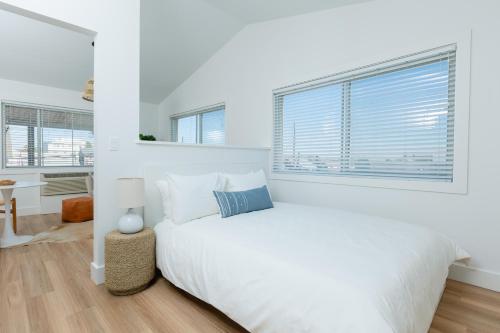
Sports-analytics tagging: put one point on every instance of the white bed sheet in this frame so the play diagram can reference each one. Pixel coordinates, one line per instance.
(308, 269)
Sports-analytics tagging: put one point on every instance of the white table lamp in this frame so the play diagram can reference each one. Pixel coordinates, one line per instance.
(130, 196)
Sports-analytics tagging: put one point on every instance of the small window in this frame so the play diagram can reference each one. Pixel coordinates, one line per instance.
(38, 136)
(205, 126)
(391, 120)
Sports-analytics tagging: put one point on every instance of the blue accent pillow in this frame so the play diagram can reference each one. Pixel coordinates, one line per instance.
(234, 203)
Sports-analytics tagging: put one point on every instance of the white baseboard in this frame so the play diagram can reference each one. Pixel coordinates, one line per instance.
(97, 273)
(475, 276)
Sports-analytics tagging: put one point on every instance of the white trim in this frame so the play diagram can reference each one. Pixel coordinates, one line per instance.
(198, 110)
(45, 106)
(190, 145)
(399, 184)
(97, 273)
(370, 69)
(475, 276)
(34, 170)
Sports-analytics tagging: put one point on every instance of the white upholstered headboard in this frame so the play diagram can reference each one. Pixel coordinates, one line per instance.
(153, 210)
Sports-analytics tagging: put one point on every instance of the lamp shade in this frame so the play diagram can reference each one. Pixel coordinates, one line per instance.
(88, 93)
(130, 192)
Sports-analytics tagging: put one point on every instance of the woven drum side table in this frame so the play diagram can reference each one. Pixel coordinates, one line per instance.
(129, 261)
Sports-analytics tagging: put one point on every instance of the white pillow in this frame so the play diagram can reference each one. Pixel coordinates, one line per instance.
(165, 198)
(191, 197)
(245, 181)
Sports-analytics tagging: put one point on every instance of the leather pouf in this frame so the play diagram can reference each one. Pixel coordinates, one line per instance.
(79, 209)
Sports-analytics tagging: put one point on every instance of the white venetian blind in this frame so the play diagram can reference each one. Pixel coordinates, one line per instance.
(83, 138)
(20, 136)
(205, 126)
(212, 127)
(41, 137)
(57, 138)
(390, 120)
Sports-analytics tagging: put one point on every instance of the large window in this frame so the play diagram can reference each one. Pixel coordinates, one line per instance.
(202, 126)
(37, 136)
(390, 120)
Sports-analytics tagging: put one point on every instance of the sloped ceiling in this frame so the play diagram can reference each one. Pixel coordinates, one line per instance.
(263, 10)
(41, 53)
(178, 36)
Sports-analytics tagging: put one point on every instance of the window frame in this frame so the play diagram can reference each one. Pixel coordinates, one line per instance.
(199, 123)
(462, 95)
(39, 108)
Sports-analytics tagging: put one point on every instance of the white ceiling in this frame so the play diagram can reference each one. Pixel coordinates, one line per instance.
(262, 10)
(178, 36)
(41, 53)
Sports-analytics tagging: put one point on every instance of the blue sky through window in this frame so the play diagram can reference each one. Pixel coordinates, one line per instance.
(394, 121)
(206, 127)
(186, 129)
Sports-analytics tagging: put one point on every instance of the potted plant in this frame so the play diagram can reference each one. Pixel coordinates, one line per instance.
(146, 137)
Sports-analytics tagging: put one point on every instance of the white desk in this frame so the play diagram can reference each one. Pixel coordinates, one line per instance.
(9, 238)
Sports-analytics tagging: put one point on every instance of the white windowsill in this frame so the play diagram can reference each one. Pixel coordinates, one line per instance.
(186, 145)
(29, 171)
(457, 187)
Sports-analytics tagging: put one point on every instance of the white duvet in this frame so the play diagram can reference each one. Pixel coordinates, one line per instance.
(307, 269)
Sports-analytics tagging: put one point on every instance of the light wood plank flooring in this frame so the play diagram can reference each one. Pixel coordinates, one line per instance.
(46, 288)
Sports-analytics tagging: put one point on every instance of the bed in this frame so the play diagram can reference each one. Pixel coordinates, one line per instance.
(298, 268)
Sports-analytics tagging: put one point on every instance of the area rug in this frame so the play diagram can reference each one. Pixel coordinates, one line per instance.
(66, 232)
(63, 233)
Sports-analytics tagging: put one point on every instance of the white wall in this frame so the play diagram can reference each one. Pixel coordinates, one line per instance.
(252, 64)
(33, 93)
(165, 109)
(148, 120)
(29, 200)
(116, 106)
(277, 53)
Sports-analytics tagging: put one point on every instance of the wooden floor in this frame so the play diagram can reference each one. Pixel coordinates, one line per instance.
(46, 288)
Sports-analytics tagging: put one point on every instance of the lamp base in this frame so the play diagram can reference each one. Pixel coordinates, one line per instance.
(130, 223)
